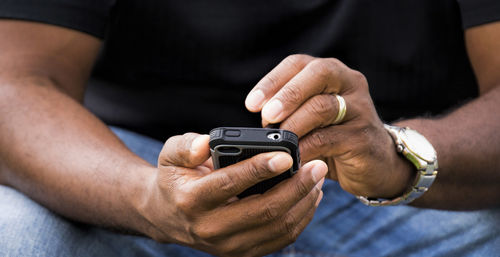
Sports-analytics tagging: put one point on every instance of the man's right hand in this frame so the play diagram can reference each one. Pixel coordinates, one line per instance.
(56, 152)
(189, 203)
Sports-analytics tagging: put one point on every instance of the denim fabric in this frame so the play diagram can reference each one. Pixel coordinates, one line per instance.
(341, 227)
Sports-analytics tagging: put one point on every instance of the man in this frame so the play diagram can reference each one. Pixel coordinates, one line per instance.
(166, 68)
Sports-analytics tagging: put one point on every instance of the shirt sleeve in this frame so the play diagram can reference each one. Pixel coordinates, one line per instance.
(89, 16)
(478, 12)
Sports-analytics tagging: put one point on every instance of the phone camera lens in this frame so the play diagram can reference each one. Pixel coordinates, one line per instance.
(274, 136)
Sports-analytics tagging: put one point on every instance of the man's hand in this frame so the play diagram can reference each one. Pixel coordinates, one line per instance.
(189, 203)
(300, 93)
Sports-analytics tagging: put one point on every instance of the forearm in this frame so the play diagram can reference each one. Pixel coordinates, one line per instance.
(56, 152)
(468, 147)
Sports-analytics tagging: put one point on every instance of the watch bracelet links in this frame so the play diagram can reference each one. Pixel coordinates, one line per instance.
(423, 180)
(420, 185)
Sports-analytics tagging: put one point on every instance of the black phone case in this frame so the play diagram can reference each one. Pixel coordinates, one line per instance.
(230, 145)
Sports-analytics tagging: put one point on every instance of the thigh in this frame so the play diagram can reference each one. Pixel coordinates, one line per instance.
(29, 229)
(342, 226)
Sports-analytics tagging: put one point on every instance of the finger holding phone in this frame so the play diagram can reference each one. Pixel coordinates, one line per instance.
(189, 203)
(328, 105)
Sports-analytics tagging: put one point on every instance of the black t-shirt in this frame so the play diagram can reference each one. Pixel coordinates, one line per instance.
(169, 67)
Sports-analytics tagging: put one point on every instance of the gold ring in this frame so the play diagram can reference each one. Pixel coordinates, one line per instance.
(342, 110)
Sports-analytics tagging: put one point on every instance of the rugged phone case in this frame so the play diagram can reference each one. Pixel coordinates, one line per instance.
(231, 145)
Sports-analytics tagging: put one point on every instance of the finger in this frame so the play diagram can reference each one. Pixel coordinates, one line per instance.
(328, 76)
(279, 200)
(206, 167)
(219, 186)
(329, 141)
(270, 246)
(289, 227)
(188, 150)
(287, 223)
(274, 80)
(209, 164)
(332, 170)
(318, 111)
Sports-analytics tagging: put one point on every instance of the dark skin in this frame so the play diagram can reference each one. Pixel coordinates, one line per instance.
(360, 153)
(56, 152)
(59, 154)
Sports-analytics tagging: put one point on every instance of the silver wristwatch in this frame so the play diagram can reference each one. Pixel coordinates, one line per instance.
(421, 154)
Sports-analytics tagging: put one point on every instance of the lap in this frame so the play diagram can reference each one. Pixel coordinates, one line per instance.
(341, 227)
(28, 229)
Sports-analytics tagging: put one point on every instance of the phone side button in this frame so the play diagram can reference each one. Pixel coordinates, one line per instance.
(232, 133)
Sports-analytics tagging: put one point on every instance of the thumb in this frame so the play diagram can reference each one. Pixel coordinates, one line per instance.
(189, 150)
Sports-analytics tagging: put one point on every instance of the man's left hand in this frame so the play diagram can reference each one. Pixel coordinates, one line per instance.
(300, 93)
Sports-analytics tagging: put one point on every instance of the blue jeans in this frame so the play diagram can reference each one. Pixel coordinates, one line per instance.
(341, 227)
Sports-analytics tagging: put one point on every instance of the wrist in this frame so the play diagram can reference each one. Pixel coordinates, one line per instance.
(399, 173)
(136, 195)
(417, 150)
(401, 177)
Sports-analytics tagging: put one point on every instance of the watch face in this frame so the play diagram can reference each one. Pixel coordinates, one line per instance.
(418, 145)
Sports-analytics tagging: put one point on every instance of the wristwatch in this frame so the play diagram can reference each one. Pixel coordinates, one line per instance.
(414, 147)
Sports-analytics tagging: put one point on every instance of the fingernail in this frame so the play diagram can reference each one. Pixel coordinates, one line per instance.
(255, 100)
(197, 143)
(272, 110)
(319, 171)
(280, 162)
(320, 197)
(320, 184)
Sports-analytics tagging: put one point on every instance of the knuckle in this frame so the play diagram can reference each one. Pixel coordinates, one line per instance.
(164, 156)
(302, 188)
(186, 140)
(310, 142)
(297, 61)
(256, 170)
(360, 79)
(272, 80)
(184, 149)
(271, 211)
(172, 140)
(324, 68)
(293, 94)
(288, 224)
(176, 150)
(312, 196)
(294, 235)
(292, 124)
(206, 232)
(322, 106)
(226, 183)
(317, 139)
(189, 135)
(163, 160)
(334, 61)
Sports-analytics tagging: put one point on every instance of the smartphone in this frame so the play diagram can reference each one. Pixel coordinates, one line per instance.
(230, 145)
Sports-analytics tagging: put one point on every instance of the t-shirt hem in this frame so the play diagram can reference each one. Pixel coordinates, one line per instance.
(481, 16)
(68, 19)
